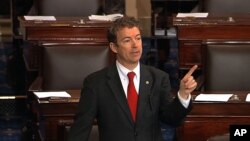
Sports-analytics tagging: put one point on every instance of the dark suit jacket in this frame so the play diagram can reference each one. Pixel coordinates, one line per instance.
(103, 98)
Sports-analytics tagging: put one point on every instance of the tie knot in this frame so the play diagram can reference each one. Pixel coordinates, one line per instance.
(131, 75)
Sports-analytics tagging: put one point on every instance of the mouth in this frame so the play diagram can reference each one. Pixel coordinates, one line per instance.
(135, 52)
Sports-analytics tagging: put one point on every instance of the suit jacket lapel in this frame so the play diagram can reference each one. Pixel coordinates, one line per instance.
(146, 82)
(115, 85)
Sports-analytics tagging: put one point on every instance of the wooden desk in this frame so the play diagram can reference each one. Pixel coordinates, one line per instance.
(49, 114)
(208, 119)
(192, 31)
(65, 29)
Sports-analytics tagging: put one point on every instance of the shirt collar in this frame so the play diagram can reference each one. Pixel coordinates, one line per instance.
(124, 71)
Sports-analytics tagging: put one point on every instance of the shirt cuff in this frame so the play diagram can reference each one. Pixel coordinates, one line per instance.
(184, 102)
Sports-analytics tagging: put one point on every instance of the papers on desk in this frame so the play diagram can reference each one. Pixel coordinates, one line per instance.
(110, 17)
(248, 98)
(40, 18)
(58, 94)
(213, 97)
(195, 15)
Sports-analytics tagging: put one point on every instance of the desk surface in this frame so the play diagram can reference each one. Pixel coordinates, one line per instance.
(234, 107)
(213, 20)
(65, 29)
(64, 21)
(75, 96)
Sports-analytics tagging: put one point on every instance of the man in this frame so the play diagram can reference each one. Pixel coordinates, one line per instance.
(105, 96)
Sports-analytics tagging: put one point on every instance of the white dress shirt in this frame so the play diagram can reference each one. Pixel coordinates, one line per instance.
(122, 71)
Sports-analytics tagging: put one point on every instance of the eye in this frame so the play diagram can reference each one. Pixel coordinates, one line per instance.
(138, 38)
(127, 40)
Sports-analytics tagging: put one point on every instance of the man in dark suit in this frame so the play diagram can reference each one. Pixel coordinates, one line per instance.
(104, 94)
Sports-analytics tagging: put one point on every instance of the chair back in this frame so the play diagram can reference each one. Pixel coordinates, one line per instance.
(65, 66)
(227, 66)
(226, 7)
(67, 7)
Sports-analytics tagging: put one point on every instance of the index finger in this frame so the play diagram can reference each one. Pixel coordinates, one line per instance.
(191, 71)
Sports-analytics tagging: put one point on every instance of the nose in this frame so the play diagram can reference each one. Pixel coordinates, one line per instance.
(136, 43)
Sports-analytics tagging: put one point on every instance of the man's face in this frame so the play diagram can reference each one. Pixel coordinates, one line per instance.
(128, 46)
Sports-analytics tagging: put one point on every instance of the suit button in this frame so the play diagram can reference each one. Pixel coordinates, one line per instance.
(135, 133)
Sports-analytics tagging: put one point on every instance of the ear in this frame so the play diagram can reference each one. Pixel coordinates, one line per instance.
(113, 47)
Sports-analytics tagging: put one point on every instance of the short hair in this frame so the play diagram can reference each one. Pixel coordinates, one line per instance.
(120, 23)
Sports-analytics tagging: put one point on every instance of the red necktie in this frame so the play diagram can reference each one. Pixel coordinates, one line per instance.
(132, 95)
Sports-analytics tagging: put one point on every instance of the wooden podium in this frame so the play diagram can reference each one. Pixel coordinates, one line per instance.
(65, 29)
(209, 119)
(50, 113)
